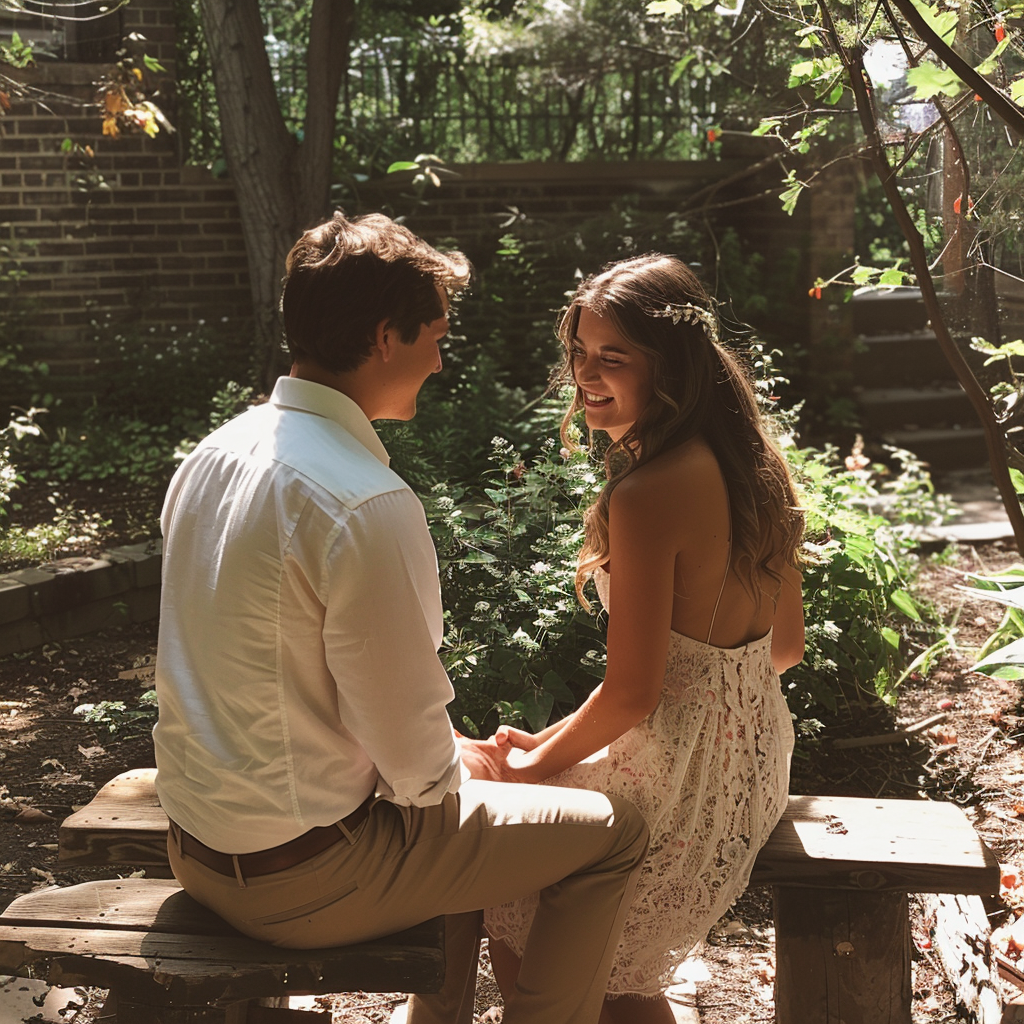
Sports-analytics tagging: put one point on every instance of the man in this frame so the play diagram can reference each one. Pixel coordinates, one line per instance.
(306, 760)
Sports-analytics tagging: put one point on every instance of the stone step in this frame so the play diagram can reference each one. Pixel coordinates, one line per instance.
(953, 448)
(889, 312)
(913, 408)
(905, 359)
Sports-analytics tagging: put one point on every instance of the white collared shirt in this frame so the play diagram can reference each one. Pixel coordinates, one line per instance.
(300, 618)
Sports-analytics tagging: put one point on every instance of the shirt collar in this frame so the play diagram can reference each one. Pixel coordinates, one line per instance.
(320, 400)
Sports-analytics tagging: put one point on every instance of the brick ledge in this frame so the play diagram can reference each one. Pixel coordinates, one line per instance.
(72, 596)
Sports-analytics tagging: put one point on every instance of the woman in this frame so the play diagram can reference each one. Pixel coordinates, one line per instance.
(693, 547)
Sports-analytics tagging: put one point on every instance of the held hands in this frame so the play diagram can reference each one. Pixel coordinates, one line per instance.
(485, 759)
(500, 758)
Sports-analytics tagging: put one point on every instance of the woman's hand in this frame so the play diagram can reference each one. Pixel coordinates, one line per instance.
(509, 739)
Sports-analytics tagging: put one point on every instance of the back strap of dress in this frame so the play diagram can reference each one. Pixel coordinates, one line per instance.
(721, 589)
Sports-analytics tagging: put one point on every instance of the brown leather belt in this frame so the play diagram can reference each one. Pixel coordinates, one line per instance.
(277, 858)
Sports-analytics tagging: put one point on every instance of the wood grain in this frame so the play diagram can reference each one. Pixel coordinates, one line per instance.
(826, 842)
(863, 844)
(842, 957)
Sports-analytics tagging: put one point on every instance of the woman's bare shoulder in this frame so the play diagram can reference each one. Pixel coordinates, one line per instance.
(677, 479)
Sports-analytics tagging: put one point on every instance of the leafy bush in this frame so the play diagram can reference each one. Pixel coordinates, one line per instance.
(859, 573)
(163, 375)
(518, 645)
(116, 716)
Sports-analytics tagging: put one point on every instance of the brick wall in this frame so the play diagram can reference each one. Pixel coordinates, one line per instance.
(130, 233)
(127, 231)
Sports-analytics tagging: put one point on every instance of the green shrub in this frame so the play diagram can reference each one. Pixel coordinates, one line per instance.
(861, 564)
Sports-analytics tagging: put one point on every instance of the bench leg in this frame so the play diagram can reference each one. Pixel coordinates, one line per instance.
(842, 956)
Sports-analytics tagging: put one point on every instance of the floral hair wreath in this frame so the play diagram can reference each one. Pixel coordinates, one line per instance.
(692, 314)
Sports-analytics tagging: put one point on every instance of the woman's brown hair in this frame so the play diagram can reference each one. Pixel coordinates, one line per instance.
(700, 389)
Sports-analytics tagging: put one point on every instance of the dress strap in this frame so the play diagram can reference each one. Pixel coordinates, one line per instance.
(721, 589)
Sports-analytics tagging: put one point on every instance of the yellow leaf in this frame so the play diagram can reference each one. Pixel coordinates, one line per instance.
(110, 127)
(137, 72)
(115, 101)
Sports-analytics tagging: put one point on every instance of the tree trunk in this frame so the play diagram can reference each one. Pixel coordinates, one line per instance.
(283, 185)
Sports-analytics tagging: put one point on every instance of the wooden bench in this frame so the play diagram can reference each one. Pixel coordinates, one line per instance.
(165, 958)
(840, 870)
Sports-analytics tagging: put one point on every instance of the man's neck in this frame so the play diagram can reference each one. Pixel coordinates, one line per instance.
(349, 383)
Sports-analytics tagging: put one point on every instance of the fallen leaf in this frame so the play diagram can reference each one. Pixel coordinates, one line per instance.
(945, 705)
(88, 752)
(32, 816)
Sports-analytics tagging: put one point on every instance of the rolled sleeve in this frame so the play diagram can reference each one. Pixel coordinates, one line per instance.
(382, 628)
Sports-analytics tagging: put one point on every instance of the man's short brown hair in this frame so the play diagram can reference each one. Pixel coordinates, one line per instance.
(344, 277)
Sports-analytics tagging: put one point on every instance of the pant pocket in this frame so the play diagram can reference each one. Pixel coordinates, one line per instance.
(294, 913)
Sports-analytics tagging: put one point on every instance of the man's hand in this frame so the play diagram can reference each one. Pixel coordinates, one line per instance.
(485, 759)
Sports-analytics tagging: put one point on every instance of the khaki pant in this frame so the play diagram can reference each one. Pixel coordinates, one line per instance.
(490, 843)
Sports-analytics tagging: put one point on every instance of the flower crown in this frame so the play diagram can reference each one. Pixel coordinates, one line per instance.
(692, 314)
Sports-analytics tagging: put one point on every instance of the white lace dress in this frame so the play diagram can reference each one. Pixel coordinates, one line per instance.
(709, 771)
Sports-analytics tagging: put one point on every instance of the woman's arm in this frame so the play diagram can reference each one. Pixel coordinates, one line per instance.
(788, 627)
(643, 556)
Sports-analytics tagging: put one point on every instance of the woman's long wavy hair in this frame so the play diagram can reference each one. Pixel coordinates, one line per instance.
(700, 390)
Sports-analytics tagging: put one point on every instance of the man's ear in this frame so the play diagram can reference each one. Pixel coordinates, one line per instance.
(384, 339)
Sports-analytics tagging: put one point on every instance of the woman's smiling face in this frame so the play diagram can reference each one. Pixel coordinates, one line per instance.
(614, 376)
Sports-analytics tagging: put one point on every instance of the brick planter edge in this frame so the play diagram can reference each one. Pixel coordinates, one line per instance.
(73, 596)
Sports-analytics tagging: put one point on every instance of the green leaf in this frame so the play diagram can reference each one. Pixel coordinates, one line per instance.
(403, 165)
(891, 637)
(943, 23)
(537, 705)
(769, 124)
(892, 276)
(790, 196)
(680, 67)
(152, 63)
(1006, 663)
(930, 80)
(1017, 479)
(905, 603)
(554, 684)
(1017, 91)
(861, 275)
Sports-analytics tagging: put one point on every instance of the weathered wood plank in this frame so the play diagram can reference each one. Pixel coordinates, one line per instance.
(835, 842)
(842, 957)
(123, 824)
(857, 843)
(161, 968)
(961, 938)
(149, 905)
(143, 904)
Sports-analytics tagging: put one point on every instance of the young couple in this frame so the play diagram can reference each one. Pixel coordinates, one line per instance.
(317, 792)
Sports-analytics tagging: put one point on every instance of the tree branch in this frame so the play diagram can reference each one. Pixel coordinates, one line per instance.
(995, 439)
(1000, 104)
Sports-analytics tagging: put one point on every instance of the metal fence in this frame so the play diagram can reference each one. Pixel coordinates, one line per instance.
(501, 109)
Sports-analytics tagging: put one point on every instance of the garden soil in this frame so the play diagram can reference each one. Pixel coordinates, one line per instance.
(52, 760)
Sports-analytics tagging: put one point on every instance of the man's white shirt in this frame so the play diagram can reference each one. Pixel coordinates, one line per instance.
(300, 618)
